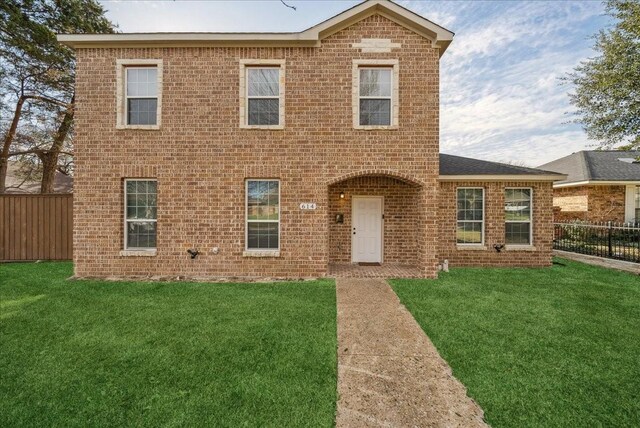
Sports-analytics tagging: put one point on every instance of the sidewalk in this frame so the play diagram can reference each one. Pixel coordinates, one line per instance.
(600, 261)
(389, 372)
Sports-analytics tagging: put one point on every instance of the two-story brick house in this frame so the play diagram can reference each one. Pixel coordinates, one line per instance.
(283, 154)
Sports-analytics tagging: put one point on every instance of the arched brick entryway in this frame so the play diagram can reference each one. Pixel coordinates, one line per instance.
(403, 222)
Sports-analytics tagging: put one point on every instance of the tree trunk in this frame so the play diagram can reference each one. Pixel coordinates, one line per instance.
(49, 158)
(8, 139)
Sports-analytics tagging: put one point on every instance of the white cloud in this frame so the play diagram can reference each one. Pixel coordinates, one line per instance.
(502, 98)
(530, 151)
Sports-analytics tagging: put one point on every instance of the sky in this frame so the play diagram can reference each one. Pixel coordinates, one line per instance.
(501, 94)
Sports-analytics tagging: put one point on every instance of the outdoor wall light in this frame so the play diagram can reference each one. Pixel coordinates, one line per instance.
(341, 195)
(193, 253)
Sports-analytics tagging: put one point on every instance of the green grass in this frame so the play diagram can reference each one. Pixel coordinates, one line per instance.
(96, 353)
(549, 347)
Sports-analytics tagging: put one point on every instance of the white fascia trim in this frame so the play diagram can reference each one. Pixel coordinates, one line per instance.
(398, 14)
(173, 40)
(531, 177)
(597, 183)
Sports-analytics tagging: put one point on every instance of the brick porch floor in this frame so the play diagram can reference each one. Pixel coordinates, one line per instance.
(386, 270)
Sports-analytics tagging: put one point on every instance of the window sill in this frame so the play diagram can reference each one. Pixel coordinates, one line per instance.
(143, 127)
(520, 248)
(375, 128)
(471, 247)
(264, 127)
(138, 253)
(261, 253)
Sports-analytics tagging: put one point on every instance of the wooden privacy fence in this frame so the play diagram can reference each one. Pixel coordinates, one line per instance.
(36, 227)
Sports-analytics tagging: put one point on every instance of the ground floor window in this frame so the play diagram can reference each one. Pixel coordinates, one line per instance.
(470, 226)
(263, 215)
(517, 214)
(141, 213)
(637, 205)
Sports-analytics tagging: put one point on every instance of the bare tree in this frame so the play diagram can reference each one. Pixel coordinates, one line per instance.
(38, 75)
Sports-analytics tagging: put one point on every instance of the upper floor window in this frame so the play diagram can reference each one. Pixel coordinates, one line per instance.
(142, 95)
(470, 215)
(517, 214)
(139, 93)
(262, 94)
(375, 89)
(375, 96)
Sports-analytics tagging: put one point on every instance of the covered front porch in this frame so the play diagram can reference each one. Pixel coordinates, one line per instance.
(376, 227)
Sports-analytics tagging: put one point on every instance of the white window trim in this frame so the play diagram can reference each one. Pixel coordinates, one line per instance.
(475, 245)
(636, 207)
(394, 64)
(530, 244)
(137, 250)
(260, 252)
(121, 91)
(244, 104)
(630, 203)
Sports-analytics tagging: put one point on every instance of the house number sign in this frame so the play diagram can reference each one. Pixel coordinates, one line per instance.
(308, 206)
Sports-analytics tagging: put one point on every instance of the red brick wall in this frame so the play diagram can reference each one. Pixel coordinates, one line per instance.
(400, 218)
(538, 255)
(606, 203)
(201, 157)
(590, 203)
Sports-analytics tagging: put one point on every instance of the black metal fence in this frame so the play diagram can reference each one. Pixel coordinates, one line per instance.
(619, 241)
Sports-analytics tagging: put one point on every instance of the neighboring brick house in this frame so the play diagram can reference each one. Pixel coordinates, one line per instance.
(601, 186)
(281, 154)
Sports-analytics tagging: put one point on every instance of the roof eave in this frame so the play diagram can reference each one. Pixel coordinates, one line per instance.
(186, 39)
(439, 36)
(597, 183)
(503, 177)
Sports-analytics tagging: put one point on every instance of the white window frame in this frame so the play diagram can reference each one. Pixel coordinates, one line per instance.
(121, 91)
(484, 215)
(244, 91)
(530, 244)
(392, 64)
(266, 251)
(636, 198)
(127, 221)
(630, 203)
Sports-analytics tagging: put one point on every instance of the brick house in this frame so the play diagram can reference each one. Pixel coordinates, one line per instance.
(286, 155)
(601, 186)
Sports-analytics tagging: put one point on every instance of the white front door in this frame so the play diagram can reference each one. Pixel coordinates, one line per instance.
(366, 229)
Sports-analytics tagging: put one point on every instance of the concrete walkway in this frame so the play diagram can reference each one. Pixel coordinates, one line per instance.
(389, 372)
(600, 261)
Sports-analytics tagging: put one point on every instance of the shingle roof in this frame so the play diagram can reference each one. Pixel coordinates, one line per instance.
(597, 165)
(458, 165)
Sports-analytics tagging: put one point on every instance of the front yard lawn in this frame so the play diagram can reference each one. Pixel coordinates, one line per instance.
(538, 347)
(96, 353)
